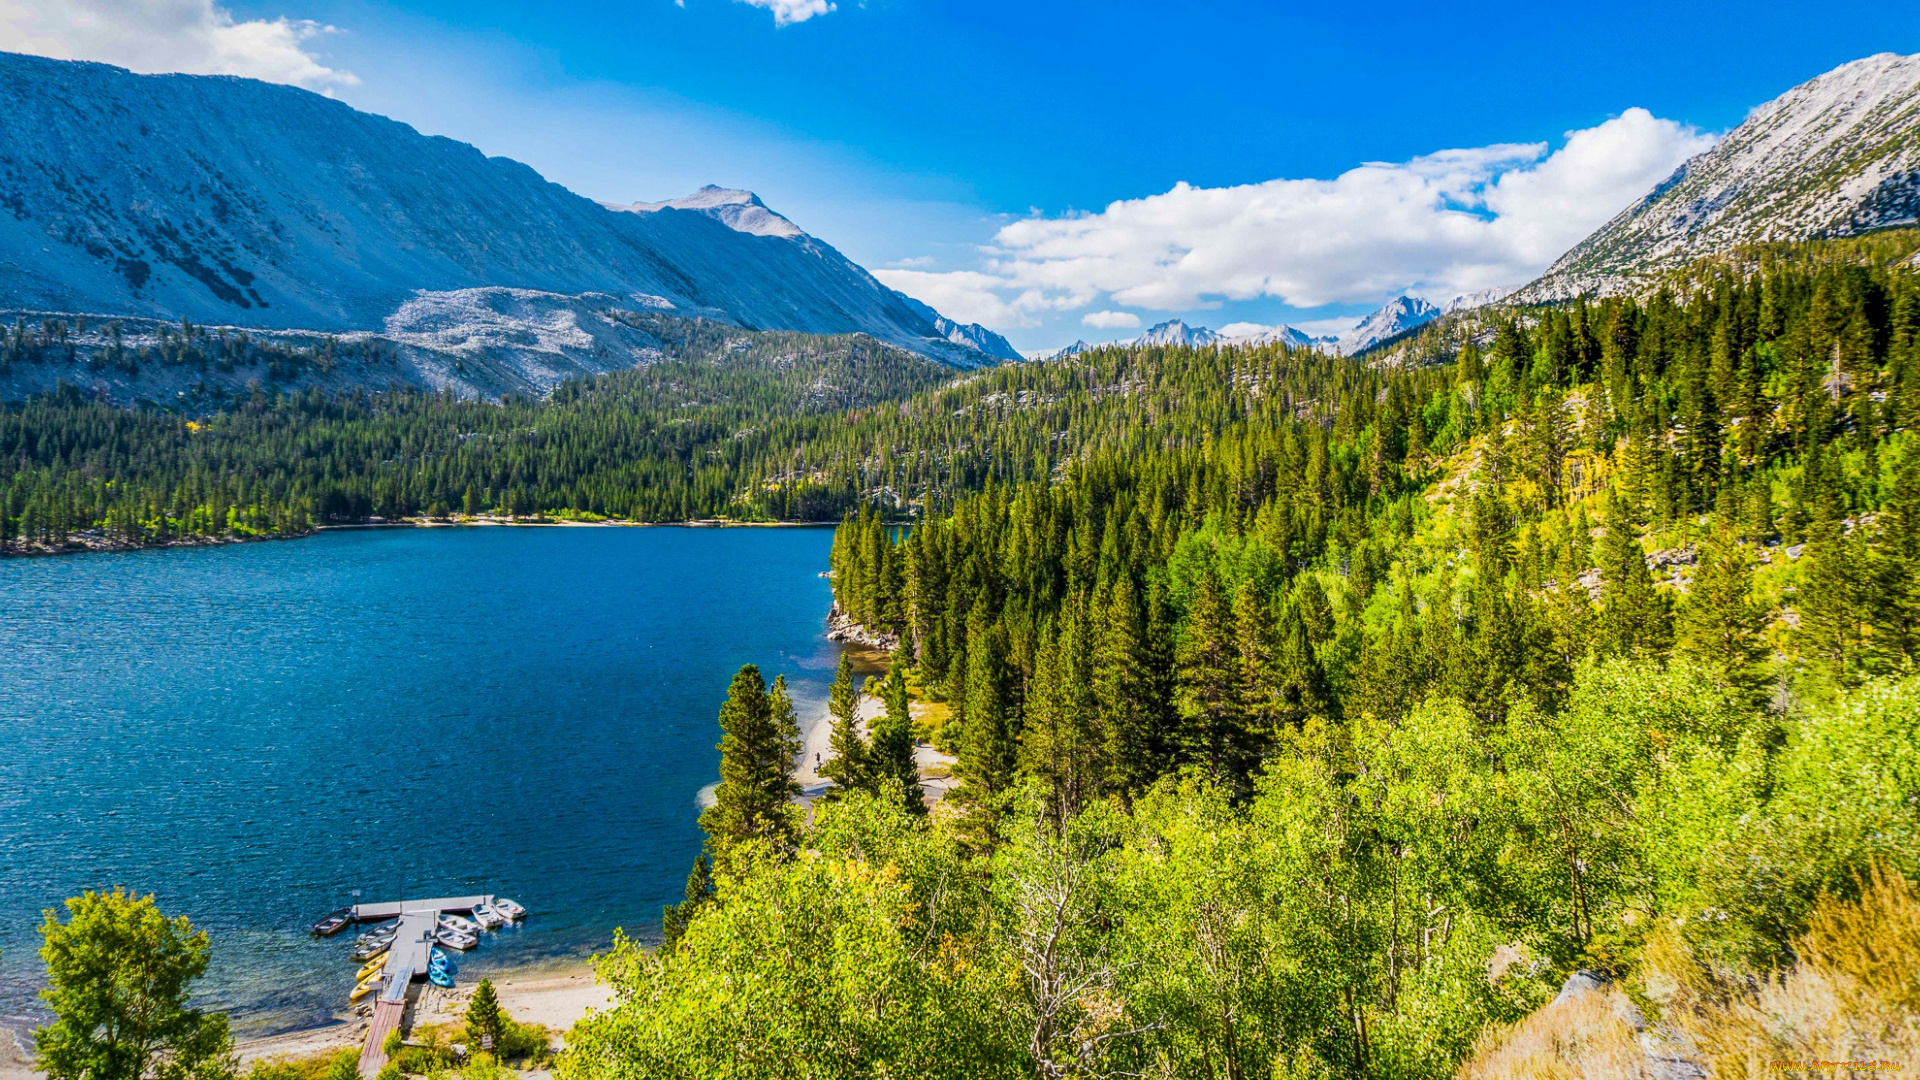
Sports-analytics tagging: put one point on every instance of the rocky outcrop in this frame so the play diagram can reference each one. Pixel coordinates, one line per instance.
(842, 628)
(1590, 1029)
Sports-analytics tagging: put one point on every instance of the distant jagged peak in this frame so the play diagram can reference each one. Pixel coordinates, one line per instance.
(1472, 300)
(741, 211)
(1278, 334)
(1074, 349)
(969, 335)
(1177, 332)
(1395, 317)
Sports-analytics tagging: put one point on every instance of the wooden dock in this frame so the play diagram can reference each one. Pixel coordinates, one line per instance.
(407, 959)
(381, 912)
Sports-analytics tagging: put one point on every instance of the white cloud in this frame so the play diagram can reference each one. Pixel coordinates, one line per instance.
(989, 299)
(195, 36)
(1447, 223)
(787, 12)
(1243, 329)
(1110, 320)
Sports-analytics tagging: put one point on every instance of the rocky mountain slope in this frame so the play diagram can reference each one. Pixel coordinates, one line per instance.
(234, 202)
(483, 343)
(1837, 156)
(1397, 316)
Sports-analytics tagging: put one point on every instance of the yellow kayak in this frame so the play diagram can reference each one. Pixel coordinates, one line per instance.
(367, 986)
(374, 967)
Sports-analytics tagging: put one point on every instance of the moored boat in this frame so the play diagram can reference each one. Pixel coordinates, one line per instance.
(453, 939)
(459, 925)
(332, 924)
(508, 908)
(384, 930)
(440, 977)
(365, 986)
(367, 950)
(373, 967)
(484, 914)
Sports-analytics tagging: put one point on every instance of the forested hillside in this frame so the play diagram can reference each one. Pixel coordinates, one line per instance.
(1317, 720)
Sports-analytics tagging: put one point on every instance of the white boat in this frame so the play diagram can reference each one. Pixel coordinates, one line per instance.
(453, 939)
(487, 917)
(459, 925)
(508, 908)
(385, 930)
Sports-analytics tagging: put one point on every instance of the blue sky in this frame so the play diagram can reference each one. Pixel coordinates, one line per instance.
(969, 151)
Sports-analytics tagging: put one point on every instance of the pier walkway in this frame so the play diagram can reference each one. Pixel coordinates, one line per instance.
(407, 959)
(379, 912)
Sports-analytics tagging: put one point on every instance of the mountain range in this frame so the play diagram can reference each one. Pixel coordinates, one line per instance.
(242, 204)
(239, 203)
(1836, 156)
(1398, 316)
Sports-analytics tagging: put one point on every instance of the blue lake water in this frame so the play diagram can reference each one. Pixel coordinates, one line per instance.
(249, 732)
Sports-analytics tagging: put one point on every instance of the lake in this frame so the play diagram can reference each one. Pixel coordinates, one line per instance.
(251, 731)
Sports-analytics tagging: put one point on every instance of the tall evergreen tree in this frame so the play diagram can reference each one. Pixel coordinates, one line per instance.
(1719, 624)
(1635, 619)
(1135, 746)
(1215, 733)
(758, 748)
(848, 766)
(891, 755)
(987, 750)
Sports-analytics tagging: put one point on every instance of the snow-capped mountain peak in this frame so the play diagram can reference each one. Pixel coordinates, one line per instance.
(1279, 334)
(1472, 300)
(1835, 156)
(1395, 317)
(234, 202)
(1176, 332)
(741, 211)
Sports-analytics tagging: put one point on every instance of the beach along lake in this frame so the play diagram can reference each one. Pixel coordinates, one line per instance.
(250, 732)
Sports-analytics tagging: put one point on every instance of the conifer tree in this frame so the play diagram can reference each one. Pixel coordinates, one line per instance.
(1134, 748)
(1260, 679)
(848, 766)
(1719, 624)
(1835, 603)
(1635, 619)
(675, 918)
(986, 755)
(758, 747)
(891, 756)
(1214, 732)
(485, 1023)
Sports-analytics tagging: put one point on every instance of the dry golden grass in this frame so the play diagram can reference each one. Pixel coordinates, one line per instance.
(1853, 996)
(1588, 1036)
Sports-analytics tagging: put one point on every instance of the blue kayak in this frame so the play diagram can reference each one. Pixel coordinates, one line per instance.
(439, 977)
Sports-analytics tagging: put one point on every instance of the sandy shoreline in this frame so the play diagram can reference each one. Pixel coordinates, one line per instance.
(935, 767)
(555, 996)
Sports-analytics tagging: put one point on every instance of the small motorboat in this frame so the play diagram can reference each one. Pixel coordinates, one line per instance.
(440, 977)
(484, 914)
(374, 967)
(453, 939)
(384, 930)
(508, 908)
(365, 986)
(459, 925)
(332, 924)
(370, 949)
